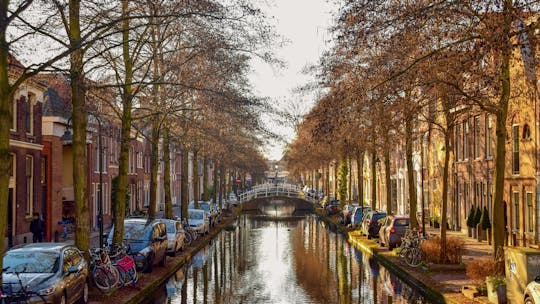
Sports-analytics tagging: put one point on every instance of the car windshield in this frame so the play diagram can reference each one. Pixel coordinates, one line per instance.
(401, 222)
(377, 216)
(204, 206)
(195, 215)
(133, 231)
(31, 262)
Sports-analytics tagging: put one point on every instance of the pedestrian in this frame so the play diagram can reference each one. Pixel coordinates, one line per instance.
(36, 227)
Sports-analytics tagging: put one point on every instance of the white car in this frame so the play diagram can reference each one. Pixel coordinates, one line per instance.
(175, 236)
(198, 221)
(532, 292)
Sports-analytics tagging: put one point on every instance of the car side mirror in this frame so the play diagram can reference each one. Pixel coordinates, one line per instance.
(73, 269)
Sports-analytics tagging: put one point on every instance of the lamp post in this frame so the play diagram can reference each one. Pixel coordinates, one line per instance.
(422, 184)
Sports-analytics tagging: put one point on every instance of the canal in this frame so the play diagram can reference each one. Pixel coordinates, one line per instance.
(293, 260)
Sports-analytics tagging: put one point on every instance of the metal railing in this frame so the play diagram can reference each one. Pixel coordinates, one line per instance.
(271, 189)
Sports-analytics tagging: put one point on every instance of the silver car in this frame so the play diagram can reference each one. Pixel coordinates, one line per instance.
(175, 236)
(198, 221)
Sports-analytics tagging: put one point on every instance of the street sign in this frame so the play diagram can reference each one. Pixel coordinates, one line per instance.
(238, 180)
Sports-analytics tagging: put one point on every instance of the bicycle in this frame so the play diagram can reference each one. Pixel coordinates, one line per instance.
(192, 234)
(105, 275)
(125, 265)
(410, 248)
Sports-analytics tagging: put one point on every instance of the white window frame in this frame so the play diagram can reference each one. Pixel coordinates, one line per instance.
(31, 101)
(29, 177)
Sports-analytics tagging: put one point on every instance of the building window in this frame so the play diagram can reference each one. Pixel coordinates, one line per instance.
(476, 136)
(29, 184)
(14, 115)
(30, 114)
(467, 140)
(515, 149)
(529, 198)
(458, 141)
(139, 160)
(515, 203)
(526, 132)
(488, 137)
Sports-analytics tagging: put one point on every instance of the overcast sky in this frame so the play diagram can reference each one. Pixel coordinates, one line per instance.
(305, 24)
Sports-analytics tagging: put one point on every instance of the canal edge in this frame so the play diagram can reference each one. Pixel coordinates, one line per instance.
(430, 293)
(150, 288)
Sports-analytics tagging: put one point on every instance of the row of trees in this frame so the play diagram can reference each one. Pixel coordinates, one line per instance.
(399, 65)
(175, 71)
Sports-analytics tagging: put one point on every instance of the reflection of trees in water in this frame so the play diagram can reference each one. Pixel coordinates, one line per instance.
(314, 277)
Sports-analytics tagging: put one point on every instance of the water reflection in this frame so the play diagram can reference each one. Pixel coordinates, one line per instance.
(292, 261)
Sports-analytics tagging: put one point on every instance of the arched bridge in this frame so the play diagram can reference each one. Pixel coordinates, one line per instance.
(279, 200)
(272, 190)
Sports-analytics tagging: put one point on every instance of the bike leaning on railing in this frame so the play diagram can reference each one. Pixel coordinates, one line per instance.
(190, 233)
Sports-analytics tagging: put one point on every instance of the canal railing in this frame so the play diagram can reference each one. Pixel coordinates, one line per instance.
(274, 190)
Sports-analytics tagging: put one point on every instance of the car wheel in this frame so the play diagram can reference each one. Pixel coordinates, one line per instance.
(529, 300)
(84, 297)
(391, 247)
(175, 250)
(369, 236)
(163, 261)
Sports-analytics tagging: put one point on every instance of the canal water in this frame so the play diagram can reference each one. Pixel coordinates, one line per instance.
(293, 260)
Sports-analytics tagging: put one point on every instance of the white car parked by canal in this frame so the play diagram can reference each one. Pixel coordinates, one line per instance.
(198, 220)
(175, 236)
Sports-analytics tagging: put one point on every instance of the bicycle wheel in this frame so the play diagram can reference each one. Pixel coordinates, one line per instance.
(102, 280)
(187, 239)
(106, 278)
(414, 257)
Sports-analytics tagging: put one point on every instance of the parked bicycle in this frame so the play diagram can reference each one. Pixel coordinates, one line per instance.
(105, 275)
(410, 249)
(125, 265)
(191, 235)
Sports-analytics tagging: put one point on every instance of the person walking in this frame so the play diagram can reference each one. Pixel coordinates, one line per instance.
(36, 227)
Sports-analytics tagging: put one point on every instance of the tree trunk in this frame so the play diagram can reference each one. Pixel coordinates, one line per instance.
(410, 174)
(349, 165)
(206, 190)
(167, 174)
(196, 190)
(327, 190)
(444, 208)
(500, 131)
(360, 168)
(388, 181)
(127, 105)
(6, 115)
(79, 121)
(154, 166)
(184, 194)
(336, 166)
(373, 180)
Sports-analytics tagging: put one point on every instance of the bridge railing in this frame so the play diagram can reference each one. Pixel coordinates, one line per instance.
(270, 189)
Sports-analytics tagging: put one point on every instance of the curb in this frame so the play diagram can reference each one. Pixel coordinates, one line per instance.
(429, 293)
(148, 290)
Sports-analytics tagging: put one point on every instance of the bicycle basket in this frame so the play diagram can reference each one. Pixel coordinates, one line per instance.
(126, 262)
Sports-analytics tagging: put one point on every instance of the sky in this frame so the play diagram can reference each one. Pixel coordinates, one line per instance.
(304, 24)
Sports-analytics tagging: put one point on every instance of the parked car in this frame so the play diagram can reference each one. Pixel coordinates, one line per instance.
(198, 221)
(370, 223)
(57, 272)
(532, 292)
(207, 207)
(392, 230)
(358, 214)
(332, 207)
(175, 236)
(147, 242)
(346, 213)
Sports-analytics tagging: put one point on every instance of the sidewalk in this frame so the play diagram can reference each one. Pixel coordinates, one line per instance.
(445, 280)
